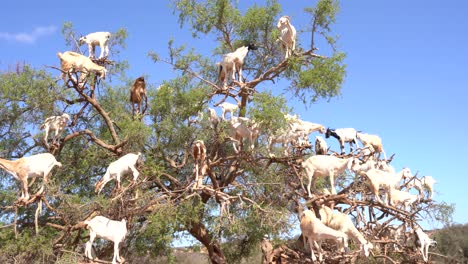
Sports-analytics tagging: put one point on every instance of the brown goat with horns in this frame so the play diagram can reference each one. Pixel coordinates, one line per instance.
(137, 92)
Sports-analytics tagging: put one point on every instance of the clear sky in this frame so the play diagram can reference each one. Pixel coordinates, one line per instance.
(406, 69)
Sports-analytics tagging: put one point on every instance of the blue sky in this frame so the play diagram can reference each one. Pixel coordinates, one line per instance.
(406, 69)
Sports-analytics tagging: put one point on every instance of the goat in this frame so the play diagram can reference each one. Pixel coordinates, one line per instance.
(423, 241)
(72, 61)
(288, 36)
(314, 230)
(342, 222)
(296, 138)
(401, 197)
(307, 127)
(137, 93)
(119, 167)
(94, 39)
(373, 142)
(214, 119)
(321, 147)
(199, 157)
(243, 128)
(343, 135)
(385, 179)
(228, 107)
(56, 124)
(425, 182)
(38, 165)
(232, 63)
(111, 230)
(322, 166)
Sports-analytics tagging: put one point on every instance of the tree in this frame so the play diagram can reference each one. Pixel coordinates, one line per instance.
(245, 194)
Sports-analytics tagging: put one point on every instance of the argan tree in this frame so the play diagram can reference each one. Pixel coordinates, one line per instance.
(244, 194)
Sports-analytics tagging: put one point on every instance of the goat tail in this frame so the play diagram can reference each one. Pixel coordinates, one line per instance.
(59, 54)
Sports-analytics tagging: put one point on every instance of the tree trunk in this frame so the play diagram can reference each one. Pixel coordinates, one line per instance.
(199, 231)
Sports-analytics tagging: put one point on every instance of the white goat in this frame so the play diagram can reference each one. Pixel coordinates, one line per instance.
(72, 61)
(425, 182)
(342, 222)
(232, 63)
(111, 230)
(56, 124)
(94, 39)
(343, 135)
(398, 197)
(322, 166)
(307, 127)
(321, 147)
(214, 119)
(228, 107)
(314, 230)
(379, 178)
(424, 242)
(373, 142)
(288, 36)
(295, 138)
(38, 165)
(243, 127)
(119, 167)
(199, 157)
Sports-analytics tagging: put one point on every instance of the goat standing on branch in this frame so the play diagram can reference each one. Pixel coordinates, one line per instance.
(342, 222)
(56, 124)
(343, 135)
(322, 166)
(119, 167)
(199, 158)
(38, 165)
(94, 39)
(288, 36)
(314, 230)
(232, 63)
(111, 230)
(137, 93)
(423, 241)
(372, 142)
(71, 61)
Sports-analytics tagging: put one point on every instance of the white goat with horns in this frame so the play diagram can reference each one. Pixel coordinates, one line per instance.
(111, 230)
(288, 36)
(119, 167)
(54, 124)
(38, 165)
(94, 39)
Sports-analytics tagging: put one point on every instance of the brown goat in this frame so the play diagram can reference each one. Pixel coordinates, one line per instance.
(199, 157)
(137, 92)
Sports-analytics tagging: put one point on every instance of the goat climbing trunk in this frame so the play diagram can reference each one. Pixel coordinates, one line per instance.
(199, 231)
